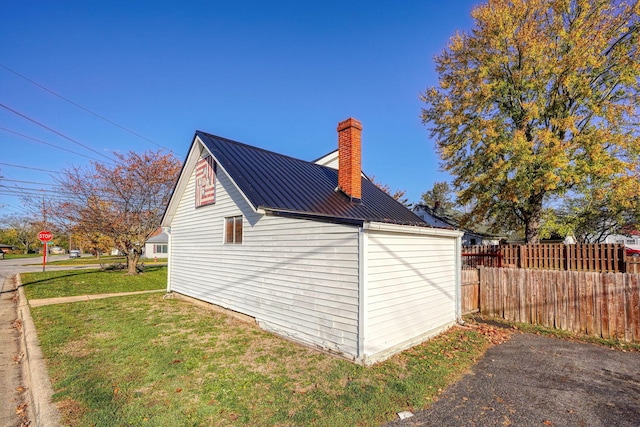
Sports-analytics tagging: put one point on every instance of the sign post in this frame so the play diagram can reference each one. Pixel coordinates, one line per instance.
(44, 236)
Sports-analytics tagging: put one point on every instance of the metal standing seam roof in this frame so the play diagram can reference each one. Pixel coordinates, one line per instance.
(285, 185)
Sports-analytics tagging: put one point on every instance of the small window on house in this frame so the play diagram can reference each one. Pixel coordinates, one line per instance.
(160, 249)
(233, 229)
(472, 242)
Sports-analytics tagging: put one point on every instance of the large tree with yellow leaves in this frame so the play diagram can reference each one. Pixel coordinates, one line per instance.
(539, 100)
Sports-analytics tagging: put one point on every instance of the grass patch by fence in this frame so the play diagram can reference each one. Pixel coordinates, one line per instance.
(53, 284)
(144, 360)
(556, 333)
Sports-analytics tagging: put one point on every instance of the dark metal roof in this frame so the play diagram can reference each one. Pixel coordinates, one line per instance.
(284, 185)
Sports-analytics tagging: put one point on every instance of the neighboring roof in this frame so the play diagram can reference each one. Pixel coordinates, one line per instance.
(452, 218)
(329, 159)
(161, 237)
(284, 185)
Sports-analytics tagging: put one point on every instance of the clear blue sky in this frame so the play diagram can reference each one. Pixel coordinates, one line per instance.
(279, 75)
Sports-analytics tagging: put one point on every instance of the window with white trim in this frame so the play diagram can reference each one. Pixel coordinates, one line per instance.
(233, 229)
(160, 249)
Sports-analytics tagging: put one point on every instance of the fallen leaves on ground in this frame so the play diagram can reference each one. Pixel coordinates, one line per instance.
(496, 335)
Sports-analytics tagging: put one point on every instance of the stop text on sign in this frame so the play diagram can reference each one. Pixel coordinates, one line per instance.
(45, 236)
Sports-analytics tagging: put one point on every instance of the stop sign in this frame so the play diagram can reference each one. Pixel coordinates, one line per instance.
(45, 236)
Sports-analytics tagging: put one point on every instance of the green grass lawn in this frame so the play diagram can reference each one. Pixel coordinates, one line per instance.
(16, 256)
(143, 360)
(103, 260)
(52, 284)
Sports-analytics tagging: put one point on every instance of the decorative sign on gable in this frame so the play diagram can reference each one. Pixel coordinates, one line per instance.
(205, 182)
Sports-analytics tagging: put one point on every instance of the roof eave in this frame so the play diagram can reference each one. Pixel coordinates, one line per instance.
(311, 216)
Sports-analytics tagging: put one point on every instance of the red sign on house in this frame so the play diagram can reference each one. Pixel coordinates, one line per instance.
(45, 236)
(205, 182)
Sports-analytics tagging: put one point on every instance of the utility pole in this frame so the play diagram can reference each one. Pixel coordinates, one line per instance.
(44, 213)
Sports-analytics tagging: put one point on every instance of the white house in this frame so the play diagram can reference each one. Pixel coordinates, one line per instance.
(157, 246)
(318, 255)
(633, 238)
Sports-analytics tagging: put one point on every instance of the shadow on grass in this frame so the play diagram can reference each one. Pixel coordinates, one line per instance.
(85, 272)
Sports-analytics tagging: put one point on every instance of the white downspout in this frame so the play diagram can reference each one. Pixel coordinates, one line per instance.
(459, 279)
(170, 258)
(362, 294)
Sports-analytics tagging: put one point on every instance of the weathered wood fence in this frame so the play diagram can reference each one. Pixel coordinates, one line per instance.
(603, 304)
(608, 257)
(470, 291)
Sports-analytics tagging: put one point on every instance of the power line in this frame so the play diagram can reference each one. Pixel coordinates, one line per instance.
(25, 191)
(54, 131)
(48, 143)
(19, 191)
(82, 108)
(26, 167)
(29, 182)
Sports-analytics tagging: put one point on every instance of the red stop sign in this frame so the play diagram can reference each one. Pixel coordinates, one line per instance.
(45, 236)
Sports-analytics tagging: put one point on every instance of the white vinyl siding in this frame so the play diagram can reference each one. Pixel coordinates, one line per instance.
(410, 289)
(298, 278)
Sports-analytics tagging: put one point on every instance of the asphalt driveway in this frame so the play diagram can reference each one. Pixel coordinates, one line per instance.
(532, 380)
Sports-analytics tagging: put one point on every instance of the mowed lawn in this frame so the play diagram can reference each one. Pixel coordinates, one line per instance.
(145, 360)
(53, 284)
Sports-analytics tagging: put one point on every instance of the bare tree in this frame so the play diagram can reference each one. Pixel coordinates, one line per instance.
(125, 201)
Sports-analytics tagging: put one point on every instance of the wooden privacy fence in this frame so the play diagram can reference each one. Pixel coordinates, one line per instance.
(604, 305)
(608, 257)
(470, 291)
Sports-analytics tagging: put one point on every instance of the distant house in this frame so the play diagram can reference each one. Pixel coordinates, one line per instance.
(316, 254)
(449, 218)
(632, 238)
(157, 246)
(4, 249)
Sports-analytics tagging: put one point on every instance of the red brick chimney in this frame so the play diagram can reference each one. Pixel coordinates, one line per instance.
(349, 158)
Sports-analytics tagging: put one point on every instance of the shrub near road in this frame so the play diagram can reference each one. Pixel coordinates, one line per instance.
(148, 361)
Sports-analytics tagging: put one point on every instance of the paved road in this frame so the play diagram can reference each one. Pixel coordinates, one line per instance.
(13, 385)
(536, 381)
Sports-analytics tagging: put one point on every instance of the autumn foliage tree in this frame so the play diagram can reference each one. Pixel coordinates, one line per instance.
(441, 195)
(93, 241)
(539, 100)
(22, 231)
(124, 201)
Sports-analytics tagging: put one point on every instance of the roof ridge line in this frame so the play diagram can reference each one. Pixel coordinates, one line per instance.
(253, 147)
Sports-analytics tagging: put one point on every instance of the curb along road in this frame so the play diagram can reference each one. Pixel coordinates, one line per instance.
(42, 410)
(14, 403)
(25, 387)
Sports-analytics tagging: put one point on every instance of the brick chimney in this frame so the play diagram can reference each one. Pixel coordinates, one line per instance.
(349, 158)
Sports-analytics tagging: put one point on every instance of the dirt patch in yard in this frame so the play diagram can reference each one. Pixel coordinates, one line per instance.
(72, 410)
